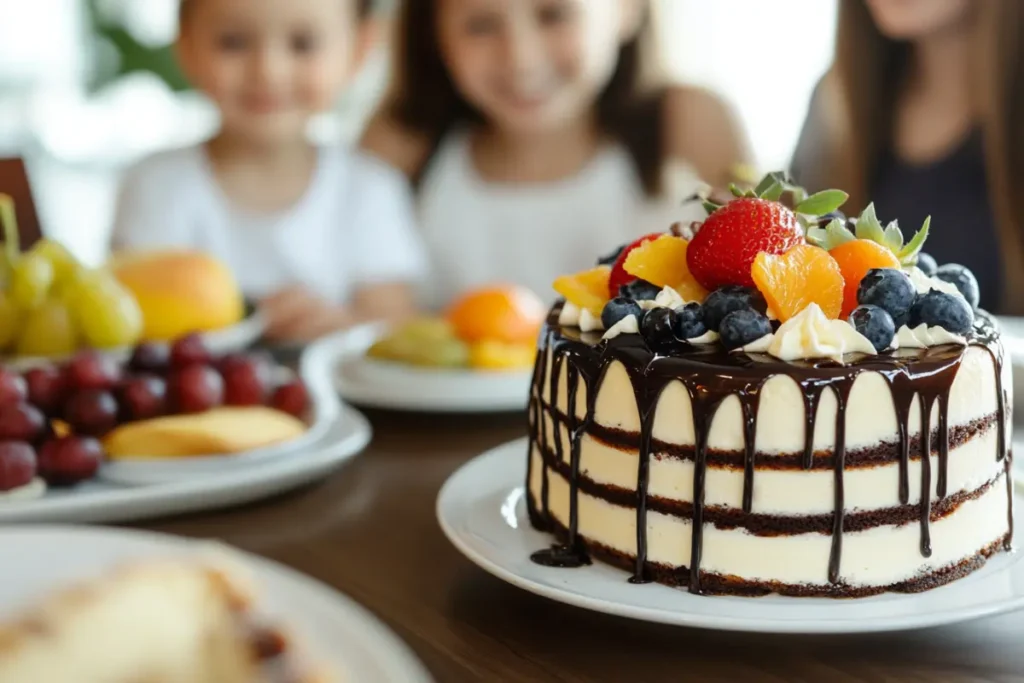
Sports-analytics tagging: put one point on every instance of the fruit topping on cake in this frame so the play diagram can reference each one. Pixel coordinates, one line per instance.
(488, 329)
(770, 262)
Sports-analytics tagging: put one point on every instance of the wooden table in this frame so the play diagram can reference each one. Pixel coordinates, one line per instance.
(369, 530)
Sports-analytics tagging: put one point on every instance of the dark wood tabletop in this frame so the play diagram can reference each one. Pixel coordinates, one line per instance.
(369, 530)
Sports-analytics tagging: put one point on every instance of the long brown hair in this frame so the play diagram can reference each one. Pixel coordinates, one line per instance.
(866, 78)
(425, 100)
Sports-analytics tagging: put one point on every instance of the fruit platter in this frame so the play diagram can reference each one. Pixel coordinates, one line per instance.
(475, 356)
(173, 420)
(52, 305)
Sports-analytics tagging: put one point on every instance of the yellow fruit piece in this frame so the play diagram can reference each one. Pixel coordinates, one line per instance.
(180, 292)
(794, 280)
(48, 331)
(220, 431)
(587, 289)
(507, 313)
(662, 262)
(496, 355)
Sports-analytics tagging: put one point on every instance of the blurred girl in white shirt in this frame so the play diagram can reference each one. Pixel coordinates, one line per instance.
(322, 237)
(534, 140)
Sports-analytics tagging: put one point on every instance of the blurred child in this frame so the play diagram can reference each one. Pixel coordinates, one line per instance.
(321, 237)
(532, 141)
(922, 113)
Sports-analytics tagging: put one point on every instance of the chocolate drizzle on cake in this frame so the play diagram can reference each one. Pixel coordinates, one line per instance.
(709, 375)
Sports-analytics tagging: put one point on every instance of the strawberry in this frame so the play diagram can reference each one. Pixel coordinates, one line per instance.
(724, 249)
(619, 275)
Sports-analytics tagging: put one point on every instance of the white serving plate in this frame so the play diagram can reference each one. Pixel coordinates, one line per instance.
(482, 510)
(100, 501)
(336, 631)
(395, 386)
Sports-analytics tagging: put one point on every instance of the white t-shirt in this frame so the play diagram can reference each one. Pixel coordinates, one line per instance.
(353, 226)
(478, 232)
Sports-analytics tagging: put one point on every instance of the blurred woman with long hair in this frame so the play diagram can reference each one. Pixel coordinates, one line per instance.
(922, 113)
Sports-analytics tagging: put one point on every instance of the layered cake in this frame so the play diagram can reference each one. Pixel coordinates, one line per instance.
(777, 400)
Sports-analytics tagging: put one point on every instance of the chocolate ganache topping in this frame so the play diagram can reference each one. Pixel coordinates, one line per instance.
(710, 374)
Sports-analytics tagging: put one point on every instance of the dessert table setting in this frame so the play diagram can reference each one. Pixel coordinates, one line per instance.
(700, 463)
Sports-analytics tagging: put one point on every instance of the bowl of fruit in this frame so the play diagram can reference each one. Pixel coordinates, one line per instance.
(477, 355)
(171, 412)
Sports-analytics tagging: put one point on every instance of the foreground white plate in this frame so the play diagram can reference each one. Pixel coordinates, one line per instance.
(101, 502)
(394, 386)
(482, 511)
(339, 632)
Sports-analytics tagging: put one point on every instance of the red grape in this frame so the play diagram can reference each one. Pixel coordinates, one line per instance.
(292, 398)
(91, 412)
(144, 397)
(190, 350)
(246, 380)
(93, 370)
(21, 422)
(196, 389)
(46, 389)
(13, 388)
(150, 357)
(17, 464)
(69, 460)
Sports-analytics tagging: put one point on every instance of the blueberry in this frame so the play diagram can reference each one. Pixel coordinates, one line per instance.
(890, 289)
(831, 216)
(690, 321)
(639, 290)
(741, 327)
(725, 300)
(876, 324)
(943, 310)
(611, 258)
(926, 264)
(963, 279)
(658, 326)
(617, 309)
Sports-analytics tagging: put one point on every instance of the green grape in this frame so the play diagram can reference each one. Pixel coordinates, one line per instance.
(63, 262)
(426, 329)
(10, 321)
(48, 331)
(449, 353)
(31, 280)
(107, 313)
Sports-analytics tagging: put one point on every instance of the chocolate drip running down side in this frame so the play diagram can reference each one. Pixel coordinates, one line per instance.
(709, 374)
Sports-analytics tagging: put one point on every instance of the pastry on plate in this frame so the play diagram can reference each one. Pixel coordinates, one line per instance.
(174, 621)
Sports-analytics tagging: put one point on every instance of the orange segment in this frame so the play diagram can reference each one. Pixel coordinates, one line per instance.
(798, 278)
(855, 259)
(503, 313)
(587, 289)
(662, 262)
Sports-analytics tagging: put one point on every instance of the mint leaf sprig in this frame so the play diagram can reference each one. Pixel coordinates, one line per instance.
(868, 227)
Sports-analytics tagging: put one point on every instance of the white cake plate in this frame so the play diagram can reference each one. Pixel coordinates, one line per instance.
(482, 510)
(337, 631)
(393, 386)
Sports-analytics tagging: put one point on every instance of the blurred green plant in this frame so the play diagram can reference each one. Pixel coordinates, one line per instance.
(121, 53)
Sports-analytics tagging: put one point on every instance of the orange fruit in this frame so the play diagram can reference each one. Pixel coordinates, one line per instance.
(505, 313)
(792, 281)
(496, 355)
(587, 289)
(662, 262)
(855, 259)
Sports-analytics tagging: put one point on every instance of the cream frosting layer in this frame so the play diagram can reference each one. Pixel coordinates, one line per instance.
(786, 492)
(870, 415)
(879, 556)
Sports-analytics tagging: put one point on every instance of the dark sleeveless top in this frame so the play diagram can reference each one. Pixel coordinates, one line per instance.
(952, 190)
